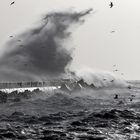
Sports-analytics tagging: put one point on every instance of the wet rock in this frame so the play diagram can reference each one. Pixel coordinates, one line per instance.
(37, 90)
(25, 95)
(3, 97)
(17, 99)
(65, 87)
(83, 84)
(92, 86)
(13, 94)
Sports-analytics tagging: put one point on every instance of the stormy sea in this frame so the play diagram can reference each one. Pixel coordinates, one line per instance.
(53, 102)
(71, 110)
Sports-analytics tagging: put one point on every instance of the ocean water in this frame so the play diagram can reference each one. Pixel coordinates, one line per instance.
(84, 114)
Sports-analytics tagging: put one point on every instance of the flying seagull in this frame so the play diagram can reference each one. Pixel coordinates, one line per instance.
(112, 32)
(115, 70)
(12, 3)
(111, 4)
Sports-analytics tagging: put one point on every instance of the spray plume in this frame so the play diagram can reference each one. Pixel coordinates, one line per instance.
(99, 78)
(40, 51)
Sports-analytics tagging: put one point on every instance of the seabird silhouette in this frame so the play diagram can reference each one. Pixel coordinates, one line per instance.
(111, 4)
(12, 3)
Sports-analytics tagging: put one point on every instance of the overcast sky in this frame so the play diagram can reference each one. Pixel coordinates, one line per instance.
(95, 46)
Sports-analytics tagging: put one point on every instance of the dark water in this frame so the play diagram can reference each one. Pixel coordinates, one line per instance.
(83, 115)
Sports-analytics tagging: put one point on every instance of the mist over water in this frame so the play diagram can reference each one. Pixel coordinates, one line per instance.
(100, 78)
(41, 52)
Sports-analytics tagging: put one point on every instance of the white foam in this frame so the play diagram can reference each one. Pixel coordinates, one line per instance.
(100, 78)
(9, 90)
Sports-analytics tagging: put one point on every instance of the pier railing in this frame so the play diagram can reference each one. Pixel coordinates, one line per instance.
(4, 85)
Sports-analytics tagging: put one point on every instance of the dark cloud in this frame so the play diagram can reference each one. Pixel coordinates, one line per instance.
(41, 50)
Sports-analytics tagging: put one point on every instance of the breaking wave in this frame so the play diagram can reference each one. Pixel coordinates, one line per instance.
(100, 78)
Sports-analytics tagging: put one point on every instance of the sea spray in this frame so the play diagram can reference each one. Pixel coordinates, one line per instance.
(39, 53)
(100, 78)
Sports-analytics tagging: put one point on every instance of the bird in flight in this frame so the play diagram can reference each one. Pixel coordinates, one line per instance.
(11, 36)
(12, 3)
(112, 32)
(111, 4)
(115, 70)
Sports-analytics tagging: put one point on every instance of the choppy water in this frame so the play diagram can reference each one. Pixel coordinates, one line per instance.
(82, 115)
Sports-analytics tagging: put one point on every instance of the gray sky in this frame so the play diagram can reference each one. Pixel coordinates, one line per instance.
(95, 46)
